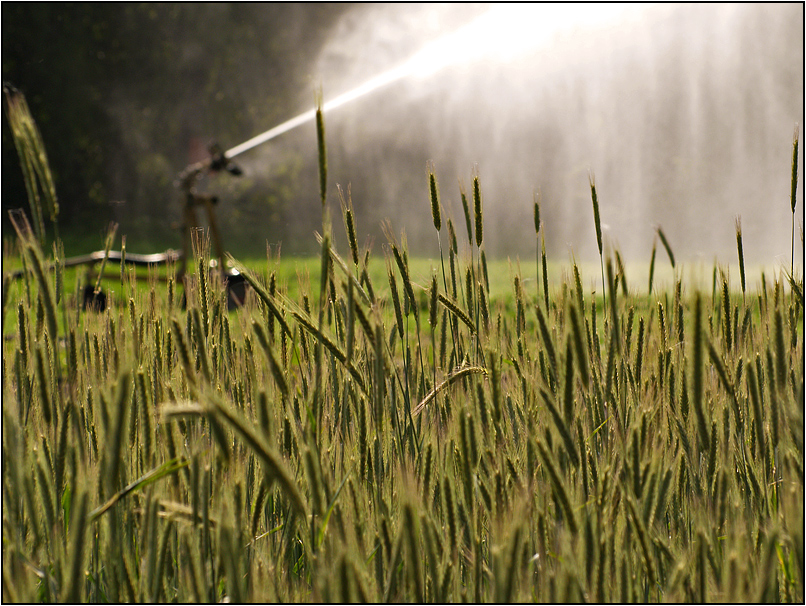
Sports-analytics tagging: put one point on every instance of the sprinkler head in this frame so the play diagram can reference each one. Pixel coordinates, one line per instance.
(218, 161)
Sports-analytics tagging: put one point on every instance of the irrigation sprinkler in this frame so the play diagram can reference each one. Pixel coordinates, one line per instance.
(186, 182)
(95, 298)
(458, 46)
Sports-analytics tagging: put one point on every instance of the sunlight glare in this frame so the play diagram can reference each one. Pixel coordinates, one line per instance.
(508, 31)
(503, 33)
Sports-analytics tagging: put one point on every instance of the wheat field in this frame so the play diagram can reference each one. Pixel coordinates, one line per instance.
(405, 440)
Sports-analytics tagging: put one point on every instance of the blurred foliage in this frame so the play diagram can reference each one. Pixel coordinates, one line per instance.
(684, 118)
(122, 91)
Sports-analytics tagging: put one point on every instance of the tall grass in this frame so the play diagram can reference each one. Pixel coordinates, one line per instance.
(33, 161)
(597, 222)
(793, 195)
(152, 453)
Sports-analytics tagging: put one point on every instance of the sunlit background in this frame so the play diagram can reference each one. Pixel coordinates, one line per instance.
(684, 113)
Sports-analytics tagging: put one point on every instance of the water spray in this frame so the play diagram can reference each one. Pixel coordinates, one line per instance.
(505, 32)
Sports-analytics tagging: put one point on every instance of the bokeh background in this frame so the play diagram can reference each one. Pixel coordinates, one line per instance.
(684, 113)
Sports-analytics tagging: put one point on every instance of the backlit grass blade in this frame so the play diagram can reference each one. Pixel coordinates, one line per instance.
(434, 190)
(454, 376)
(110, 238)
(152, 476)
(562, 427)
(457, 312)
(793, 195)
(320, 141)
(666, 246)
(597, 222)
(367, 297)
(478, 211)
(697, 397)
(536, 214)
(274, 466)
(36, 171)
(559, 487)
(349, 223)
(741, 252)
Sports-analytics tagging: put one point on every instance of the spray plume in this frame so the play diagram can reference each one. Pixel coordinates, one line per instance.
(504, 32)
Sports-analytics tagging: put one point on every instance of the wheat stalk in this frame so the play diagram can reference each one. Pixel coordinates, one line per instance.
(665, 243)
(793, 195)
(741, 252)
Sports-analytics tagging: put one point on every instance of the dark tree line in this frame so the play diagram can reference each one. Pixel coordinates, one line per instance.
(122, 92)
